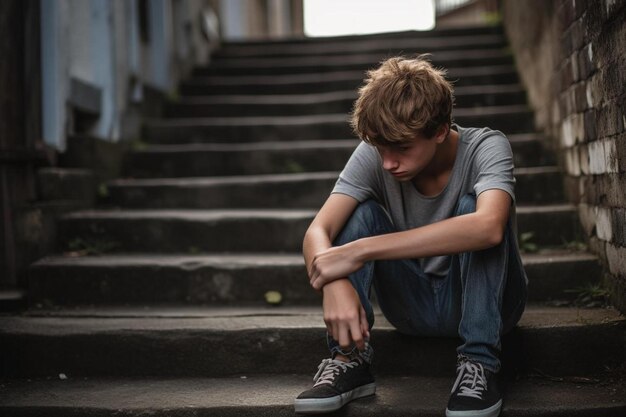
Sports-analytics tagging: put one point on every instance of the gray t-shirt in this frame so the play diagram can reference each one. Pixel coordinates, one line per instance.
(484, 161)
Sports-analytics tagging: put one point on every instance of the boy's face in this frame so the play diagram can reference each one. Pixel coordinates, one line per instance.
(407, 160)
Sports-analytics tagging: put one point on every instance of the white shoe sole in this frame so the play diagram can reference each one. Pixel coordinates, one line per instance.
(326, 405)
(492, 411)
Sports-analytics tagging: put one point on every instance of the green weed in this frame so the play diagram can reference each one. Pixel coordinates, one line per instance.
(575, 246)
(294, 167)
(590, 295)
(492, 18)
(81, 247)
(138, 145)
(103, 190)
(526, 244)
(173, 96)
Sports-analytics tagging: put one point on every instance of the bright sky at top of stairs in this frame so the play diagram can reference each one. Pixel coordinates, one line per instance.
(346, 17)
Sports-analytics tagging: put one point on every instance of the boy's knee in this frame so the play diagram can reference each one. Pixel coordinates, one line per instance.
(467, 204)
(368, 219)
(369, 209)
(364, 218)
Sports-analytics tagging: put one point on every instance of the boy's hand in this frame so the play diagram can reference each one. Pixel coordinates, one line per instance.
(332, 264)
(344, 315)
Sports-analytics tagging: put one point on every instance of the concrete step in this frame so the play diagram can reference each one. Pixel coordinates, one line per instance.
(305, 190)
(273, 395)
(247, 341)
(329, 81)
(245, 158)
(238, 230)
(55, 183)
(354, 62)
(211, 130)
(218, 279)
(249, 158)
(509, 119)
(456, 32)
(187, 231)
(389, 46)
(550, 225)
(539, 185)
(323, 103)
(12, 300)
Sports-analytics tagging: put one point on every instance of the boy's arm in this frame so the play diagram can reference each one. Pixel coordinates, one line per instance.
(326, 226)
(470, 232)
(343, 313)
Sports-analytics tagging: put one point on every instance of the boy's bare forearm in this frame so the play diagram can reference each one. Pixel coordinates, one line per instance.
(315, 241)
(329, 221)
(467, 233)
(450, 236)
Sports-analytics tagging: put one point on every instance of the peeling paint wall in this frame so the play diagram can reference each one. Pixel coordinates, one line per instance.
(101, 46)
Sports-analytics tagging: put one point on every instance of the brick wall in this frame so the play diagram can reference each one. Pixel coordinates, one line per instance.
(571, 55)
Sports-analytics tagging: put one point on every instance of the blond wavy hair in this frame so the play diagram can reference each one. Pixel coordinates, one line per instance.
(401, 99)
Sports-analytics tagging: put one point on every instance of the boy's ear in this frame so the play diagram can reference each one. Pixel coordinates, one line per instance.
(442, 133)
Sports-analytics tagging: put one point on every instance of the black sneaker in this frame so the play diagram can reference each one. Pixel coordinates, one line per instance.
(475, 392)
(336, 384)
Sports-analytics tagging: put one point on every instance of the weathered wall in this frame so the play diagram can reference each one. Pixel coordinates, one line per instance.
(571, 55)
(473, 12)
(99, 55)
(260, 19)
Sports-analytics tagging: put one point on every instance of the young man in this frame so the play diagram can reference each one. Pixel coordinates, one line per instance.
(424, 212)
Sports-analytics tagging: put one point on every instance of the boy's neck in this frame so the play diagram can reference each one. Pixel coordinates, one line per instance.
(434, 178)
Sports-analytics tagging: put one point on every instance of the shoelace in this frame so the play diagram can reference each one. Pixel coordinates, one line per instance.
(471, 379)
(330, 368)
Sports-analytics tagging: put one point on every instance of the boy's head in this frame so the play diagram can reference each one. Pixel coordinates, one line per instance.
(401, 100)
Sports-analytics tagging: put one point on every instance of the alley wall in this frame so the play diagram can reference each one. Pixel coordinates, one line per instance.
(571, 55)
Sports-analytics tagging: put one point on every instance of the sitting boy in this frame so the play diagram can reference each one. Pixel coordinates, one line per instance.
(423, 211)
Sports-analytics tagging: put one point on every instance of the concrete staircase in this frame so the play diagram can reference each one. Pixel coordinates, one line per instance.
(155, 304)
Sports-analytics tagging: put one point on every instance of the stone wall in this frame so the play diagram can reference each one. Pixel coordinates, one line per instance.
(571, 55)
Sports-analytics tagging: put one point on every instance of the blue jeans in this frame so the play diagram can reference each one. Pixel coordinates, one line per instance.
(482, 297)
